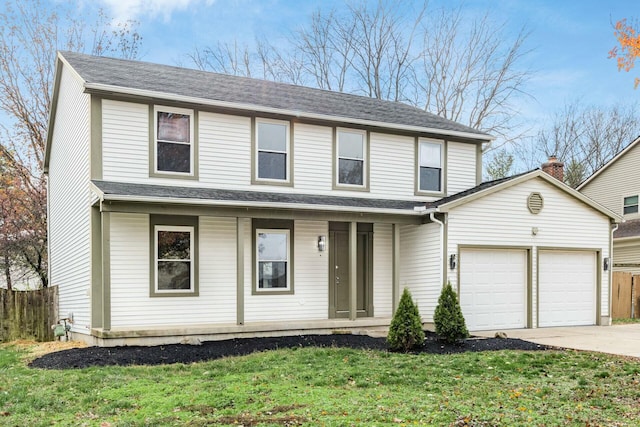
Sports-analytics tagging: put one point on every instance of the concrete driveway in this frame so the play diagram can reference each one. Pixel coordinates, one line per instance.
(619, 339)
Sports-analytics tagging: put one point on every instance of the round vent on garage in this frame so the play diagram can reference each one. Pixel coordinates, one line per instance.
(535, 203)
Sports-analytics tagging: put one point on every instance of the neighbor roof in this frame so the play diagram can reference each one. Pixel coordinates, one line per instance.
(102, 73)
(630, 228)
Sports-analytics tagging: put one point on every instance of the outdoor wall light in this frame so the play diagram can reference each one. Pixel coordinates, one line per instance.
(322, 243)
(452, 261)
(606, 264)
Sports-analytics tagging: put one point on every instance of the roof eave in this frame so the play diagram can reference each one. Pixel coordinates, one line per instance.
(99, 88)
(254, 204)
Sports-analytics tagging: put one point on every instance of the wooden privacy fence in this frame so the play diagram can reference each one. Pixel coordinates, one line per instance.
(28, 314)
(625, 296)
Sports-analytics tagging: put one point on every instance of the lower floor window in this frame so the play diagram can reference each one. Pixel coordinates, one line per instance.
(272, 248)
(174, 263)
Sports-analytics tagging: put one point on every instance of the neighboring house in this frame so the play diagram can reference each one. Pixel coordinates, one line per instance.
(616, 186)
(191, 204)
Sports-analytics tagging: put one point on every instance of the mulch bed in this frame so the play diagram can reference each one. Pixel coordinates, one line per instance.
(184, 353)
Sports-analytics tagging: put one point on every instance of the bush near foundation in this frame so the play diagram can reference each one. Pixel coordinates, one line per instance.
(448, 318)
(405, 332)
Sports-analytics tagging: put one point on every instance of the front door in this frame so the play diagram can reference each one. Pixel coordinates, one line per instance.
(339, 277)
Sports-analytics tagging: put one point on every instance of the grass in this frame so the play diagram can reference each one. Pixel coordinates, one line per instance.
(332, 387)
(625, 321)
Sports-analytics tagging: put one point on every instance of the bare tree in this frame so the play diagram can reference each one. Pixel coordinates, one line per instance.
(584, 138)
(500, 164)
(30, 34)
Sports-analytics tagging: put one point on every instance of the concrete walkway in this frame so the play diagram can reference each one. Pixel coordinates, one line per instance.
(618, 339)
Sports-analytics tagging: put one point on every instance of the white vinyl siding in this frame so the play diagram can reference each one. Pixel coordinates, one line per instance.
(69, 196)
(131, 305)
(310, 300)
(382, 270)
(503, 219)
(225, 151)
(312, 157)
(125, 141)
(621, 179)
(461, 166)
(392, 166)
(626, 252)
(420, 266)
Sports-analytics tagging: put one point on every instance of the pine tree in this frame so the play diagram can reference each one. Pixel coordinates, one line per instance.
(448, 318)
(405, 332)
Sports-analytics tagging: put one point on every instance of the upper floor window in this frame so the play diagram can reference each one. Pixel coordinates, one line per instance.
(430, 160)
(174, 146)
(630, 205)
(351, 162)
(273, 146)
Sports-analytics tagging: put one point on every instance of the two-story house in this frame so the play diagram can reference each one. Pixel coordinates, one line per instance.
(192, 204)
(616, 186)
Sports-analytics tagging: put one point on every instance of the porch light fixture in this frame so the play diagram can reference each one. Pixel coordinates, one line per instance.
(606, 264)
(322, 243)
(452, 261)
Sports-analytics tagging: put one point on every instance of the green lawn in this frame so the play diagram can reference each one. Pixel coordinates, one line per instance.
(332, 387)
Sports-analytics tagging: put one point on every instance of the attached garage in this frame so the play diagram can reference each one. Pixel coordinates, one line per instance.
(567, 288)
(493, 288)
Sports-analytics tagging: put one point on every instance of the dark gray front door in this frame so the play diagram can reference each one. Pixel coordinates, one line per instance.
(339, 277)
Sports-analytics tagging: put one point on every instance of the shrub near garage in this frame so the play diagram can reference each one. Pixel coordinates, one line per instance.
(448, 318)
(405, 332)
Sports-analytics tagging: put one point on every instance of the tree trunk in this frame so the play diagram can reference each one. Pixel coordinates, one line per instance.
(7, 270)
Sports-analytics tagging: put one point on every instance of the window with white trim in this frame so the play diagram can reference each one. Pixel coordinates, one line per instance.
(351, 152)
(174, 145)
(273, 249)
(272, 142)
(174, 259)
(430, 172)
(630, 205)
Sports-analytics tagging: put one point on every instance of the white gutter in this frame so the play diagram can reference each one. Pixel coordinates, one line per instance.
(432, 217)
(97, 87)
(251, 204)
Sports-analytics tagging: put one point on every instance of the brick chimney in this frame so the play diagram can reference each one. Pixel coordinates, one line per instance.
(554, 168)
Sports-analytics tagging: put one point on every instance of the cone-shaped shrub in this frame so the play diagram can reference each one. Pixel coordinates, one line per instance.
(448, 318)
(405, 332)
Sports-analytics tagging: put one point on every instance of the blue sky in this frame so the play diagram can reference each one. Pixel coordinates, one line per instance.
(569, 39)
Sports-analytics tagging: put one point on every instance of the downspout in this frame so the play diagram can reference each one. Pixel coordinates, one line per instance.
(432, 217)
(614, 227)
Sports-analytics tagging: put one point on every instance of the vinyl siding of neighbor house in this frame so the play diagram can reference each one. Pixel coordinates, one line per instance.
(627, 252)
(69, 218)
(503, 219)
(621, 179)
(310, 299)
(131, 305)
(224, 156)
(420, 266)
(382, 270)
(461, 166)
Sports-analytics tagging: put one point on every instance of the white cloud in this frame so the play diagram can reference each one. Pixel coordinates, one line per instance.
(122, 10)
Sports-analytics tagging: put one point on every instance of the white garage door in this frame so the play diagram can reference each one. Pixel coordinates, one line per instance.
(493, 287)
(567, 287)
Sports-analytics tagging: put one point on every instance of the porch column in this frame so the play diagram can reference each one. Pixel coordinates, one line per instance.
(395, 259)
(106, 270)
(353, 270)
(240, 270)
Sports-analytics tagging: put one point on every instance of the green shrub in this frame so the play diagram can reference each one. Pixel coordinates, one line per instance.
(405, 332)
(448, 318)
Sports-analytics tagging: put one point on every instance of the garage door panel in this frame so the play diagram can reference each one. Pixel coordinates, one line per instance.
(493, 288)
(567, 288)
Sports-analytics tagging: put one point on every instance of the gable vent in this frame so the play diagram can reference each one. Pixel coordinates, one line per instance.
(535, 203)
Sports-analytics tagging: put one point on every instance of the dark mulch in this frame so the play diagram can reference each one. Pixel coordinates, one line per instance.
(183, 353)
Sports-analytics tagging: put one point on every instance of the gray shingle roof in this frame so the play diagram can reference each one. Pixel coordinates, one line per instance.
(216, 195)
(628, 229)
(220, 87)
